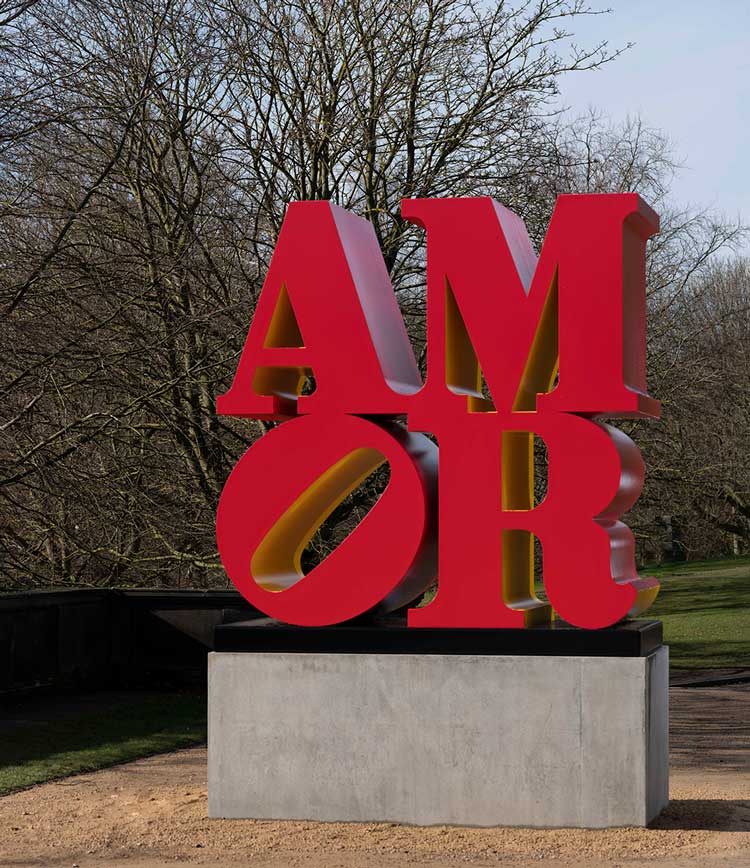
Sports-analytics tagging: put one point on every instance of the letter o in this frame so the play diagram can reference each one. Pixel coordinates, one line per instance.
(286, 485)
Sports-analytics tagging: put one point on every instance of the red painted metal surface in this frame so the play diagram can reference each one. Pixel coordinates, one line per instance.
(288, 482)
(494, 312)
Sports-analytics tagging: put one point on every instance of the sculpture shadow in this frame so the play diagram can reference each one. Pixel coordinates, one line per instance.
(717, 815)
(708, 729)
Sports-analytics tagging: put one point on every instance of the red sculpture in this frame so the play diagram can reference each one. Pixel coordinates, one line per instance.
(327, 308)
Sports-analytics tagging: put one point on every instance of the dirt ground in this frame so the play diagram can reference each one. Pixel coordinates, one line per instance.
(153, 813)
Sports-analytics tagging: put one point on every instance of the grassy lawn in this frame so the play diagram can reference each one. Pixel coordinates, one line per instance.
(705, 607)
(81, 736)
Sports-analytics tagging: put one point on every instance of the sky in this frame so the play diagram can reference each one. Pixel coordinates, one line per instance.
(687, 74)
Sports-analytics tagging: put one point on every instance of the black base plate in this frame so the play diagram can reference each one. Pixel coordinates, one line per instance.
(626, 639)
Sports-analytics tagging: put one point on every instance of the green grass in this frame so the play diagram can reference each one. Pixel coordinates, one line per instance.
(102, 733)
(705, 607)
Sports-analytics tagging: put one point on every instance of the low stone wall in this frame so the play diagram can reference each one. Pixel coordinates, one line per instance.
(106, 638)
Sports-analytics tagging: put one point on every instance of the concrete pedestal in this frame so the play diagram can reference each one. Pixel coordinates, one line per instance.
(431, 738)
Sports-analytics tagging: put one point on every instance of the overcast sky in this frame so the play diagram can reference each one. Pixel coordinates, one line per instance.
(687, 74)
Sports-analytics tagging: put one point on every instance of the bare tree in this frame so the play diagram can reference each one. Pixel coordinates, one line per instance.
(147, 151)
(701, 453)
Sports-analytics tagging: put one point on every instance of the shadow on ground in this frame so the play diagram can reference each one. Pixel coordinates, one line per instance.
(46, 738)
(709, 728)
(719, 815)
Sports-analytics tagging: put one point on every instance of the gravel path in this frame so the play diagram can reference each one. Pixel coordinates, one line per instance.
(153, 813)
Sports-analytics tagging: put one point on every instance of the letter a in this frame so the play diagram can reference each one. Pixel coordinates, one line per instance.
(328, 309)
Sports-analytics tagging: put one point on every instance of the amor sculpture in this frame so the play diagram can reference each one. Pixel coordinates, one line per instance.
(560, 341)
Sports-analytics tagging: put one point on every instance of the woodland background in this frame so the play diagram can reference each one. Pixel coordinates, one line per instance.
(147, 151)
